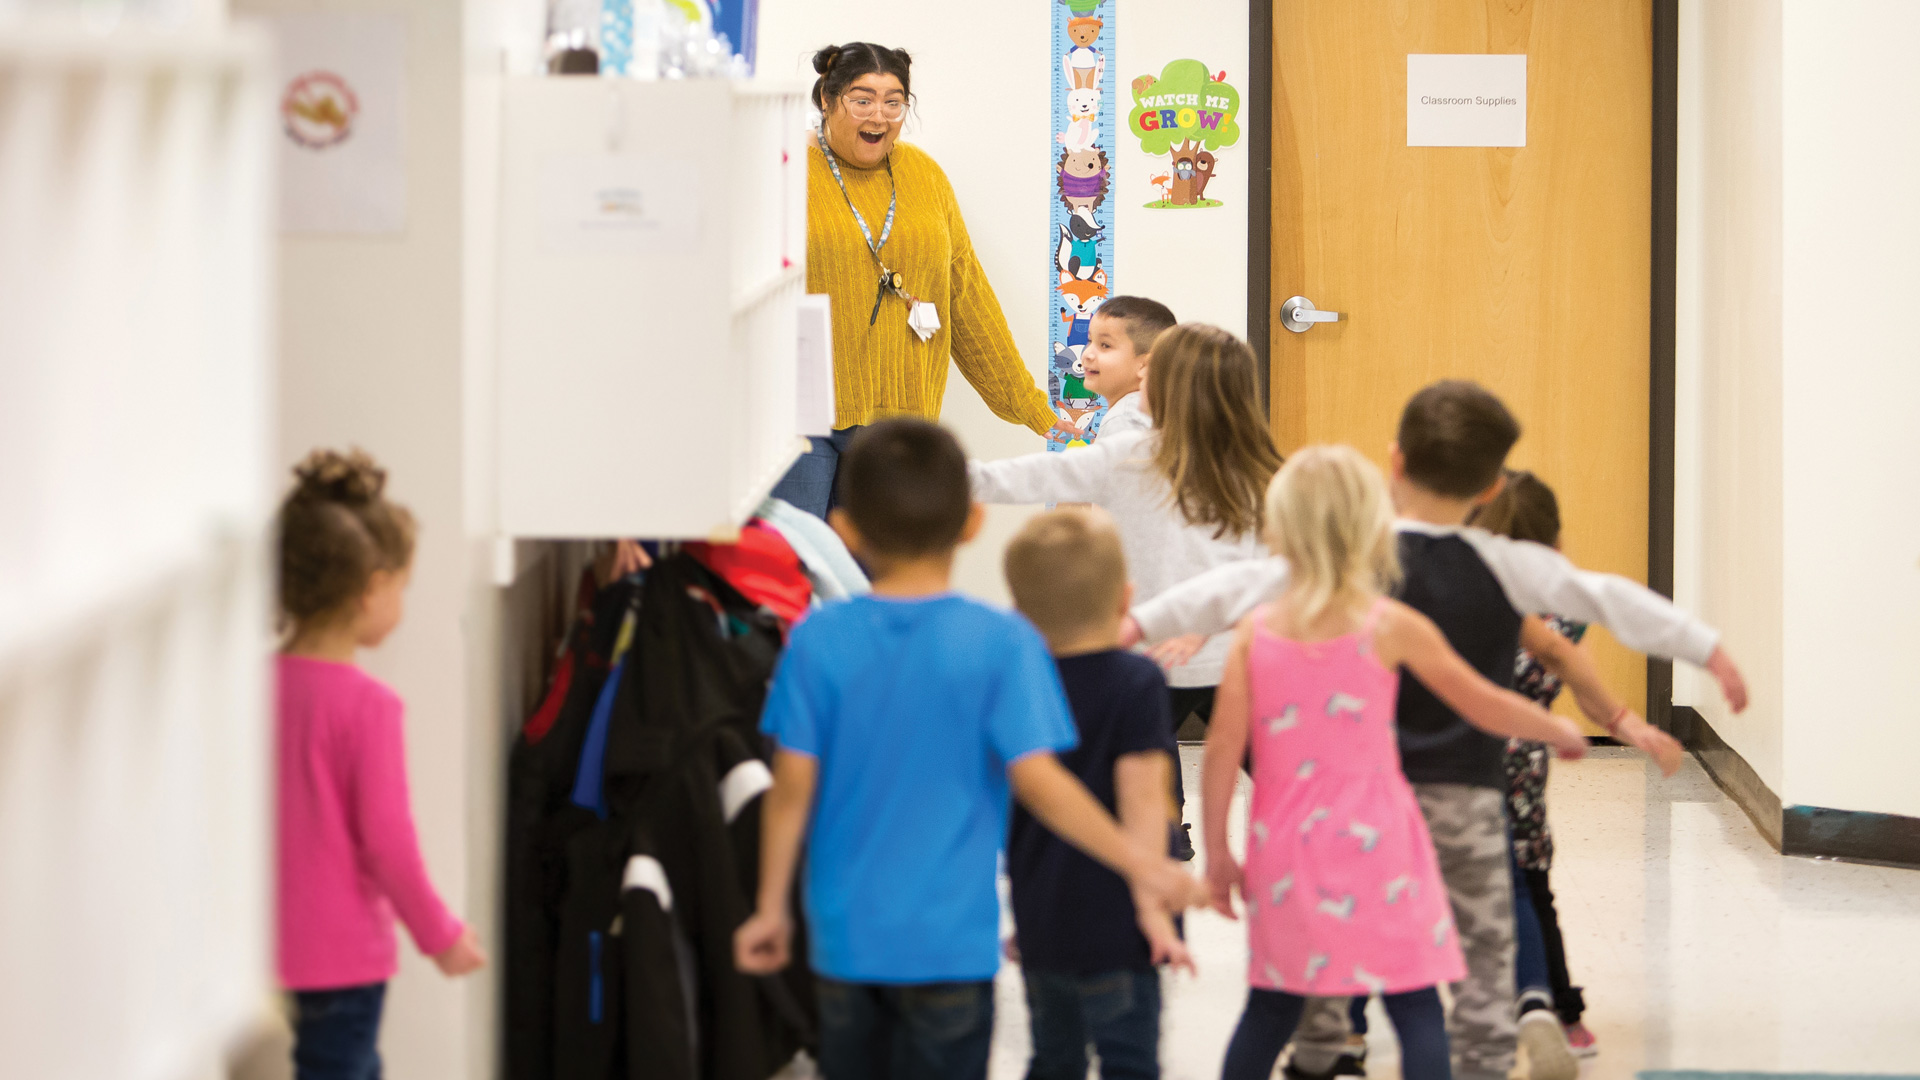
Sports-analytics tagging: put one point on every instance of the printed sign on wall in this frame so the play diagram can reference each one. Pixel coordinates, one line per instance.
(1187, 112)
(342, 100)
(1081, 240)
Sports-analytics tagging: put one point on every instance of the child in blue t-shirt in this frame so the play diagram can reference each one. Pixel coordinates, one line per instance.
(906, 721)
(1086, 952)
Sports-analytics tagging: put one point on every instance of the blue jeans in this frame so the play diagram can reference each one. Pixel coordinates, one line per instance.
(1531, 978)
(336, 1033)
(1271, 1016)
(1118, 1012)
(808, 485)
(935, 1031)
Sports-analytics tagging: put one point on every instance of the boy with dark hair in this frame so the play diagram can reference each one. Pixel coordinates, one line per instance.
(904, 721)
(1086, 951)
(1119, 348)
(1452, 442)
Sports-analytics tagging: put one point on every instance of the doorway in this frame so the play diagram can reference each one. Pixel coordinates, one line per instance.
(1543, 272)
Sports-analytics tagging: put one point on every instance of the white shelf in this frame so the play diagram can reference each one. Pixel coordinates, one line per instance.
(652, 246)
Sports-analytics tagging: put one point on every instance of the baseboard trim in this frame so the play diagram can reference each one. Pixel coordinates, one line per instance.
(1809, 831)
(1731, 771)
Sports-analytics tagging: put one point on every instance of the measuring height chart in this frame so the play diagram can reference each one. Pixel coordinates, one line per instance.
(1080, 244)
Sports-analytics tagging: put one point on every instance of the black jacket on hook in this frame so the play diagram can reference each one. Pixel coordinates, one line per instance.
(648, 899)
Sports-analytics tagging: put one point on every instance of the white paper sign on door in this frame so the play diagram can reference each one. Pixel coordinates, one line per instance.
(1466, 99)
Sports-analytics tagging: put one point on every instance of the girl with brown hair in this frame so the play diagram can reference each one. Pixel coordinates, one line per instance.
(348, 857)
(1185, 495)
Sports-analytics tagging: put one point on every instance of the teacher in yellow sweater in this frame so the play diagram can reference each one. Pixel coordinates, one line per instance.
(886, 241)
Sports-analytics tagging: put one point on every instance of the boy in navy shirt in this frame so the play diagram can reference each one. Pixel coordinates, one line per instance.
(905, 720)
(1087, 954)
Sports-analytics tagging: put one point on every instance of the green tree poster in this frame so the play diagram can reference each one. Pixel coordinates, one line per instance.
(1186, 112)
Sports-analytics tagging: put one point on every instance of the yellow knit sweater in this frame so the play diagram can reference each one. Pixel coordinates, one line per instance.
(886, 370)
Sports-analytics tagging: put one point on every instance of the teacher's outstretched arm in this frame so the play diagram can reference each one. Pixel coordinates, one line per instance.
(983, 346)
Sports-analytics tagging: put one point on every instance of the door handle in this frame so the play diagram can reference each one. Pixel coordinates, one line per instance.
(1298, 314)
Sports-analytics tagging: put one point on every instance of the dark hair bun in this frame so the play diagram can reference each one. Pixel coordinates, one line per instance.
(352, 478)
(839, 65)
(823, 60)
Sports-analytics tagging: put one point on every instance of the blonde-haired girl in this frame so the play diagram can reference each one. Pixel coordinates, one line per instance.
(1184, 495)
(1341, 885)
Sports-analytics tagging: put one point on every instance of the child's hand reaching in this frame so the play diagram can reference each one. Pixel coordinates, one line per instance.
(1569, 742)
(761, 944)
(1130, 634)
(1163, 941)
(463, 957)
(1223, 880)
(1732, 685)
(1663, 748)
(1173, 652)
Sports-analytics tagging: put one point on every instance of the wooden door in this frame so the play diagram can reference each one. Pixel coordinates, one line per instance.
(1524, 268)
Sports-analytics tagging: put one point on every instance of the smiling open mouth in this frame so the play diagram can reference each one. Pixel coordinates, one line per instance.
(872, 138)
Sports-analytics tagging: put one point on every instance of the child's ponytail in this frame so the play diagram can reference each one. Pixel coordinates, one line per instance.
(337, 529)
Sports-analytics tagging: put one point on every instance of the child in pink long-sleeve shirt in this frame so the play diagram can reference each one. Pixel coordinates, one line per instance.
(349, 860)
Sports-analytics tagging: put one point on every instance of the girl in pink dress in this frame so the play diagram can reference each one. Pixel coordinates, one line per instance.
(1341, 885)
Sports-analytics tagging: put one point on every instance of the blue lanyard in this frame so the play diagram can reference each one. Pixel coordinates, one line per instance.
(889, 281)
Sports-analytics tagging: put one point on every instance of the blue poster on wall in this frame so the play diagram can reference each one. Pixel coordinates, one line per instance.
(1080, 243)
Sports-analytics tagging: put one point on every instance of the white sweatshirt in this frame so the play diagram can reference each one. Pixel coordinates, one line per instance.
(1116, 472)
(1537, 579)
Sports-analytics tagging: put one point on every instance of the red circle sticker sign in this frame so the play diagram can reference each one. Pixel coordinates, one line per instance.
(318, 110)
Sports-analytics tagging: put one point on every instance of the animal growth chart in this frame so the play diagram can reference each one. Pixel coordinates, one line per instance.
(1080, 244)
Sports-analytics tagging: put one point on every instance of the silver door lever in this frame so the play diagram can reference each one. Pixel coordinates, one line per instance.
(1298, 314)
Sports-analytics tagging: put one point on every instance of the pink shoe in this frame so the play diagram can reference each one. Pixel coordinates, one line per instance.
(1581, 1041)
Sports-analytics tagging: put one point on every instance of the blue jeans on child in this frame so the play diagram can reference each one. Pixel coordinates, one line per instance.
(934, 1031)
(1531, 979)
(1271, 1016)
(1117, 1012)
(336, 1033)
(808, 485)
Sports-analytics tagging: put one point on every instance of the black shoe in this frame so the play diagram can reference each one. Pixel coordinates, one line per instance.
(1181, 841)
(1344, 1065)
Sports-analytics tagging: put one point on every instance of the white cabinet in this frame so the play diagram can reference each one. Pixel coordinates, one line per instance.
(652, 245)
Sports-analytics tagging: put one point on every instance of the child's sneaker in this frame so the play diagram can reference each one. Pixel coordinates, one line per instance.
(1581, 1041)
(1545, 1041)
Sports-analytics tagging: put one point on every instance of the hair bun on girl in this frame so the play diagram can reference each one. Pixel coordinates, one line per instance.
(823, 60)
(352, 478)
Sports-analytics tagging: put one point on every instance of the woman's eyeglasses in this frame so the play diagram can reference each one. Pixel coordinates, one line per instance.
(864, 106)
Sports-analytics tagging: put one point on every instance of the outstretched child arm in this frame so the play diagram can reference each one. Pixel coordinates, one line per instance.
(1047, 476)
(1572, 664)
(1142, 783)
(1208, 603)
(761, 945)
(1069, 811)
(1404, 637)
(1539, 580)
(1220, 770)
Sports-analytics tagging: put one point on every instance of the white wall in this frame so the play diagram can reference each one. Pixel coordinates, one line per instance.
(983, 83)
(1851, 255)
(1799, 373)
(370, 344)
(1727, 564)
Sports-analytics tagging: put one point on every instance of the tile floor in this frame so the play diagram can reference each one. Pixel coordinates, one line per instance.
(1700, 948)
